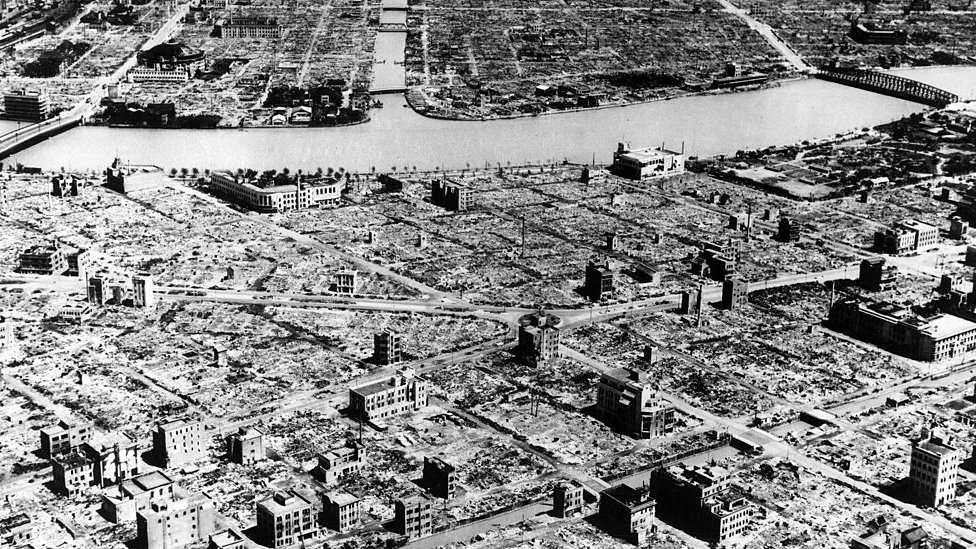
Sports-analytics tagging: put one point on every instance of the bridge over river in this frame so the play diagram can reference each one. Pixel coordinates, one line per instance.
(890, 84)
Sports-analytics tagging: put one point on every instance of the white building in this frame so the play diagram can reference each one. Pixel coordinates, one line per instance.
(647, 162)
(934, 470)
(277, 198)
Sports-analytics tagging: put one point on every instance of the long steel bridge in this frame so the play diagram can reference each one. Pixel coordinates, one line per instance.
(890, 84)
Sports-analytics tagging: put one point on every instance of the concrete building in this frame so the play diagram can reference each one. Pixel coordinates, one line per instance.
(246, 446)
(894, 328)
(178, 442)
(626, 403)
(15, 530)
(908, 236)
(247, 27)
(735, 293)
(716, 261)
(143, 291)
(439, 478)
(25, 106)
(598, 281)
(137, 494)
(286, 518)
(958, 228)
(411, 516)
(249, 192)
(871, 273)
(538, 338)
(789, 230)
(404, 392)
(386, 348)
(912, 538)
(704, 499)
(226, 539)
(567, 499)
(72, 473)
(43, 260)
(868, 33)
(175, 523)
(346, 282)
(628, 513)
(96, 291)
(690, 302)
(64, 437)
(114, 459)
(934, 470)
(341, 510)
(451, 195)
(339, 462)
(63, 185)
(647, 162)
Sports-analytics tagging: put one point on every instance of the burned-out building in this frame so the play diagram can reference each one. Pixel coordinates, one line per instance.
(627, 403)
(704, 499)
(402, 392)
(439, 477)
(628, 513)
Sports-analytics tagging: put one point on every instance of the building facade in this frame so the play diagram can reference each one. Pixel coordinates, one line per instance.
(253, 26)
(275, 198)
(647, 162)
(137, 494)
(439, 478)
(403, 392)
(246, 446)
(598, 281)
(15, 530)
(286, 518)
(567, 499)
(628, 513)
(538, 338)
(64, 437)
(411, 516)
(386, 348)
(451, 195)
(43, 260)
(704, 499)
(341, 510)
(339, 462)
(25, 106)
(934, 470)
(143, 291)
(175, 523)
(626, 403)
(178, 442)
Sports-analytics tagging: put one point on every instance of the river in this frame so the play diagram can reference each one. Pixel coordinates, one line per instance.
(397, 136)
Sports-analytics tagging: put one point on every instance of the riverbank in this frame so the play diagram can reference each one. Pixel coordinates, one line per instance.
(414, 102)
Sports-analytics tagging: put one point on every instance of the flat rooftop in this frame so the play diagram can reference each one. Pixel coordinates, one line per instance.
(944, 326)
(342, 498)
(151, 481)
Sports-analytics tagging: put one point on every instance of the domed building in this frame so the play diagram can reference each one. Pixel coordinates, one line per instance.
(167, 62)
(171, 56)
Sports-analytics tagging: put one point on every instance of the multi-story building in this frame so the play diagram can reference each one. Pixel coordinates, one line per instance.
(716, 261)
(15, 530)
(286, 518)
(252, 26)
(339, 462)
(64, 437)
(538, 338)
(137, 494)
(25, 106)
(703, 498)
(43, 260)
(178, 442)
(167, 62)
(175, 523)
(114, 459)
(386, 348)
(96, 291)
(735, 292)
(625, 402)
(789, 230)
(628, 513)
(274, 198)
(567, 499)
(598, 281)
(411, 516)
(143, 291)
(869, 33)
(451, 195)
(910, 235)
(346, 281)
(645, 163)
(439, 478)
(72, 473)
(341, 511)
(934, 470)
(894, 328)
(246, 446)
(63, 185)
(403, 392)
(871, 273)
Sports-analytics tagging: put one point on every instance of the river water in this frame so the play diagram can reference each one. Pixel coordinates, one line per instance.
(397, 136)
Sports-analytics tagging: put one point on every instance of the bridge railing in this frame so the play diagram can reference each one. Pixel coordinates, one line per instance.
(890, 84)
